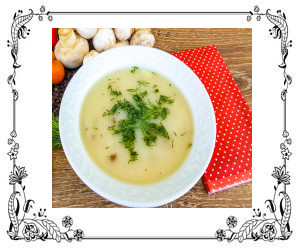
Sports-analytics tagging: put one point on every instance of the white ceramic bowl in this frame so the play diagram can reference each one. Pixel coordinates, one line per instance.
(183, 77)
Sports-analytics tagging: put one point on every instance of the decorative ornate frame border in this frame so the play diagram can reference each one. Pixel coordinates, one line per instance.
(260, 227)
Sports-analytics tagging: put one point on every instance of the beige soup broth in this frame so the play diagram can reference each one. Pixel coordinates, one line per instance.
(136, 126)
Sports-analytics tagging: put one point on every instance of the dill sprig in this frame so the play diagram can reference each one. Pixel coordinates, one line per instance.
(133, 69)
(113, 92)
(142, 82)
(56, 143)
(140, 115)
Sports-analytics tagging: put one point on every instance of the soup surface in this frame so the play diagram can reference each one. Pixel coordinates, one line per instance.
(136, 126)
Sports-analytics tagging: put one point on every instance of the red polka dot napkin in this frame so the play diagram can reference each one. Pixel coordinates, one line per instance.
(231, 163)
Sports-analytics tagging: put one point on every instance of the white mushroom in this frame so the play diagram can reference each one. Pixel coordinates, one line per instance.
(86, 33)
(120, 44)
(89, 55)
(104, 39)
(143, 37)
(71, 48)
(123, 34)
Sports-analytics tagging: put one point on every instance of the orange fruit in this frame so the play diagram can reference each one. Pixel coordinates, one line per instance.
(58, 72)
(53, 56)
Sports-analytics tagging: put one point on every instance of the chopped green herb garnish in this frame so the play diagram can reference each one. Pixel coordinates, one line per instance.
(107, 148)
(95, 128)
(141, 114)
(86, 129)
(113, 92)
(133, 69)
(190, 145)
(154, 86)
(132, 90)
(172, 143)
(182, 134)
(143, 94)
(170, 85)
(156, 91)
(144, 83)
(164, 99)
(174, 133)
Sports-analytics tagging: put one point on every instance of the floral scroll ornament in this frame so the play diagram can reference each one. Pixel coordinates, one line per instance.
(20, 31)
(30, 231)
(17, 176)
(23, 225)
(268, 231)
(276, 224)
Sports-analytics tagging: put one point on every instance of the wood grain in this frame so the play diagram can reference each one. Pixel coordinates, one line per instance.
(235, 46)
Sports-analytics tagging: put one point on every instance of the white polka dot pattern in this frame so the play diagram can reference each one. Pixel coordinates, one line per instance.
(231, 163)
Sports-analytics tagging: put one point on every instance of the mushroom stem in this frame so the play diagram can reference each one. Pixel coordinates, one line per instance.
(67, 37)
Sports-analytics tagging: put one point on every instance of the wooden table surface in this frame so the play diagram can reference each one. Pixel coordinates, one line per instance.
(235, 46)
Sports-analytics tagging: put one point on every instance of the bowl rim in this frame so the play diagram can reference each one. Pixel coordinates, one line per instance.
(86, 180)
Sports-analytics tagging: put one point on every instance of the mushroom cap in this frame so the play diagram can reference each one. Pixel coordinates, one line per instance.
(143, 37)
(71, 50)
(89, 55)
(87, 33)
(120, 44)
(123, 34)
(104, 39)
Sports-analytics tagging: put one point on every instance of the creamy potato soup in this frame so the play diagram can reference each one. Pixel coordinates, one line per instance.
(136, 126)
